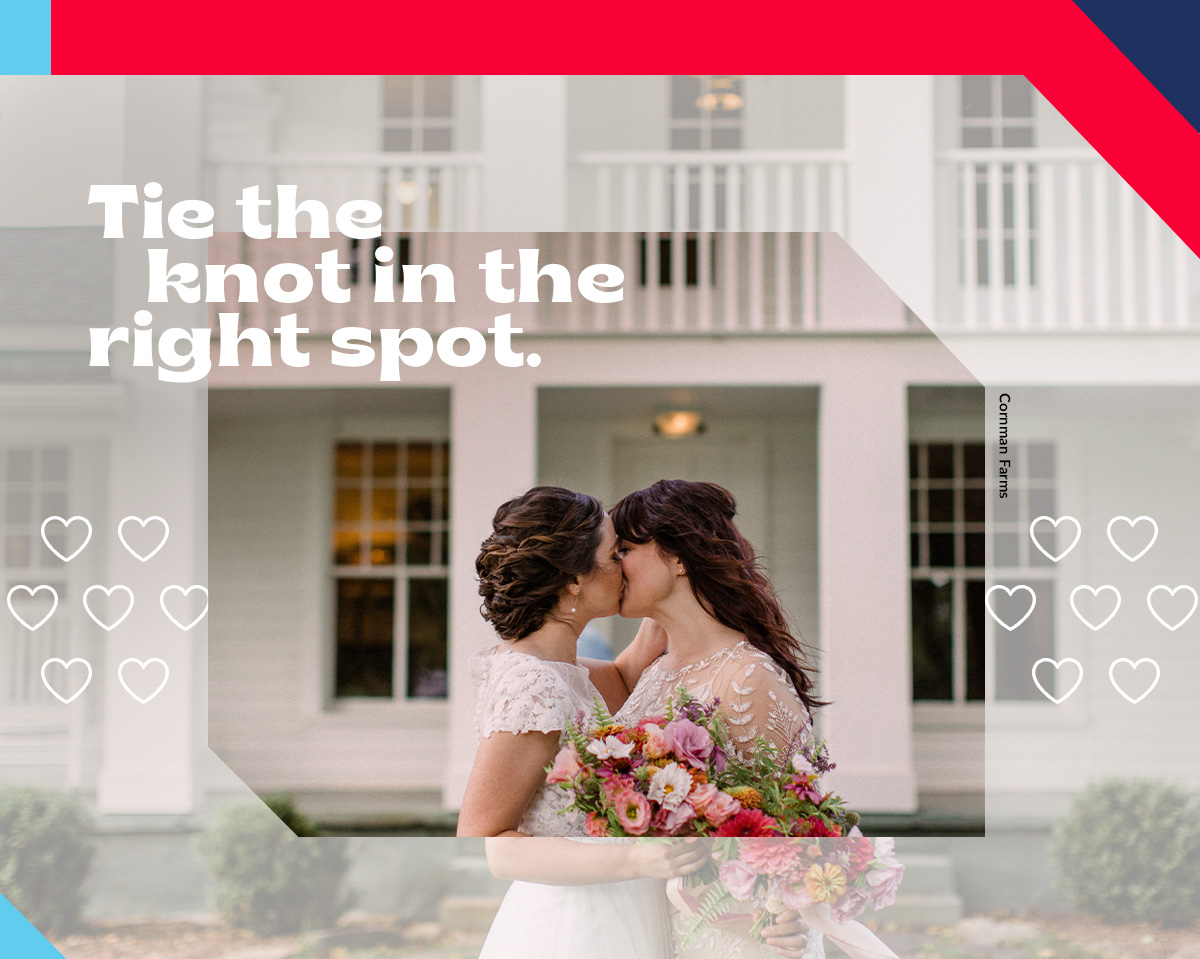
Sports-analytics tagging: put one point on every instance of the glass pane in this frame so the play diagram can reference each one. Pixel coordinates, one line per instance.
(941, 506)
(977, 137)
(54, 503)
(427, 603)
(1022, 647)
(914, 549)
(384, 458)
(346, 548)
(932, 641)
(365, 613)
(420, 504)
(685, 138)
(439, 96)
(349, 505)
(349, 460)
(941, 549)
(685, 91)
(1006, 510)
(727, 138)
(420, 459)
(1016, 137)
(383, 548)
(444, 448)
(973, 505)
(1041, 460)
(54, 465)
(973, 460)
(18, 507)
(445, 550)
(1006, 548)
(17, 550)
(437, 139)
(914, 506)
(914, 461)
(420, 548)
(1041, 503)
(1016, 96)
(941, 461)
(397, 96)
(976, 96)
(975, 651)
(383, 504)
(397, 140)
(20, 466)
(439, 505)
(973, 549)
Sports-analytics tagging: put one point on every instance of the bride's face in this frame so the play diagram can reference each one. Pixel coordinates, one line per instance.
(600, 590)
(650, 577)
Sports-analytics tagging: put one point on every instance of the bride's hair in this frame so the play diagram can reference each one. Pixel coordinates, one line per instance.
(539, 540)
(694, 522)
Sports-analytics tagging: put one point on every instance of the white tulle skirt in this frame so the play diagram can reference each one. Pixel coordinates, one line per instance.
(617, 920)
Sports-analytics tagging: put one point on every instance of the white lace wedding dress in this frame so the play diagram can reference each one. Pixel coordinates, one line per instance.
(520, 693)
(756, 699)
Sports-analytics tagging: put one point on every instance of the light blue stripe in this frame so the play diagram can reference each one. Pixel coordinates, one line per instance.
(25, 37)
(19, 938)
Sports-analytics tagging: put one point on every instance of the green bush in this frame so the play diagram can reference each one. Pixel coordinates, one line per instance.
(45, 851)
(1129, 851)
(268, 880)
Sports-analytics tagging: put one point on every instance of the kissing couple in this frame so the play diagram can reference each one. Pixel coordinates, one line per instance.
(712, 625)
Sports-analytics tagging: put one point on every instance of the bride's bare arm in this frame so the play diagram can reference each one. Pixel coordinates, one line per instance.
(616, 680)
(509, 768)
(565, 862)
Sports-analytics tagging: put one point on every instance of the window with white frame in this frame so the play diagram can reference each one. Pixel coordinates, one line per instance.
(35, 483)
(418, 114)
(997, 112)
(707, 113)
(390, 569)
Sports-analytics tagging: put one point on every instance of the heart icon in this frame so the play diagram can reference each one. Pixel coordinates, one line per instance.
(1054, 522)
(142, 664)
(66, 524)
(987, 601)
(143, 522)
(162, 601)
(108, 591)
(1095, 593)
(1172, 592)
(1129, 662)
(1057, 664)
(66, 664)
(32, 592)
(1132, 523)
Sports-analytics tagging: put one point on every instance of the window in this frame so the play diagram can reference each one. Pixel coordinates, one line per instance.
(706, 113)
(34, 483)
(418, 114)
(691, 258)
(946, 529)
(390, 569)
(1015, 560)
(997, 112)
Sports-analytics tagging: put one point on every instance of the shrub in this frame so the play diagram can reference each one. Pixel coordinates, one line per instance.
(268, 880)
(45, 851)
(1129, 851)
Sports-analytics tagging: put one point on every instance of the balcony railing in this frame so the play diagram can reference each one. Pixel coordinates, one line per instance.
(1054, 240)
(417, 191)
(762, 190)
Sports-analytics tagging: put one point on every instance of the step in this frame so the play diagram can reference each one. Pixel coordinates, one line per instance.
(927, 873)
(921, 910)
(468, 913)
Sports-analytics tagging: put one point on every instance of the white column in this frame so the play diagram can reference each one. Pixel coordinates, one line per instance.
(890, 222)
(493, 457)
(157, 467)
(525, 153)
(865, 646)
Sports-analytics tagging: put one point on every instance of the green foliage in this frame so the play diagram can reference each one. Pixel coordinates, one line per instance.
(265, 878)
(45, 852)
(1129, 850)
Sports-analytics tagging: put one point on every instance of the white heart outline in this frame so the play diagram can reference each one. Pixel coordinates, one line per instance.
(66, 665)
(162, 602)
(108, 591)
(987, 601)
(1145, 659)
(1057, 700)
(1132, 523)
(1095, 591)
(32, 592)
(1054, 522)
(143, 664)
(1154, 612)
(66, 522)
(142, 522)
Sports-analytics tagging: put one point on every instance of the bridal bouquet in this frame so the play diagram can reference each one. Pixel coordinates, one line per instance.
(668, 775)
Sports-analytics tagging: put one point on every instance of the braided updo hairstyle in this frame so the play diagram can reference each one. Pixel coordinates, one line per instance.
(540, 540)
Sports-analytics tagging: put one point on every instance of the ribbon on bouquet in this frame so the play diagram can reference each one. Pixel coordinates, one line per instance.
(855, 939)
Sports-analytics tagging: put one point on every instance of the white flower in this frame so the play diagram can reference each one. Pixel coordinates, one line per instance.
(610, 748)
(670, 785)
(801, 764)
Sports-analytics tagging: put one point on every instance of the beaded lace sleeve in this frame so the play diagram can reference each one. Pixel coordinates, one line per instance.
(521, 694)
(758, 699)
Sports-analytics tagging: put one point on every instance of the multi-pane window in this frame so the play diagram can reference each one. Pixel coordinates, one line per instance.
(947, 545)
(390, 568)
(34, 482)
(1015, 560)
(997, 112)
(706, 113)
(418, 114)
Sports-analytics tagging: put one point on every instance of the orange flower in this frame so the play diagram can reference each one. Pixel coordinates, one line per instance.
(825, 883)
(748, 796)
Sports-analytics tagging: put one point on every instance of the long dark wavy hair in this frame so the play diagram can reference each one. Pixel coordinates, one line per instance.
(694, 521)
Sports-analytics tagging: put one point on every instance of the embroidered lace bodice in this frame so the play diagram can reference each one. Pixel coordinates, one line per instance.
(520, 693)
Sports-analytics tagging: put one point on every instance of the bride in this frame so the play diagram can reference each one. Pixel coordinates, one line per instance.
(552, 563)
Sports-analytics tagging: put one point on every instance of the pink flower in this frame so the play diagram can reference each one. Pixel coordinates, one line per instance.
(721, 807)
(738, 878)
(852, 902)
(690, 742)
(884, 883)
(566, 765)
(633, 811)
(774, 857)
(670, 821)
(657, 744)
(701, 795)
(596, 825)
(613, 786)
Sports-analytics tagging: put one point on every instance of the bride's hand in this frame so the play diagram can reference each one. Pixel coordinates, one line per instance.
(669, 859)
(788, 934)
